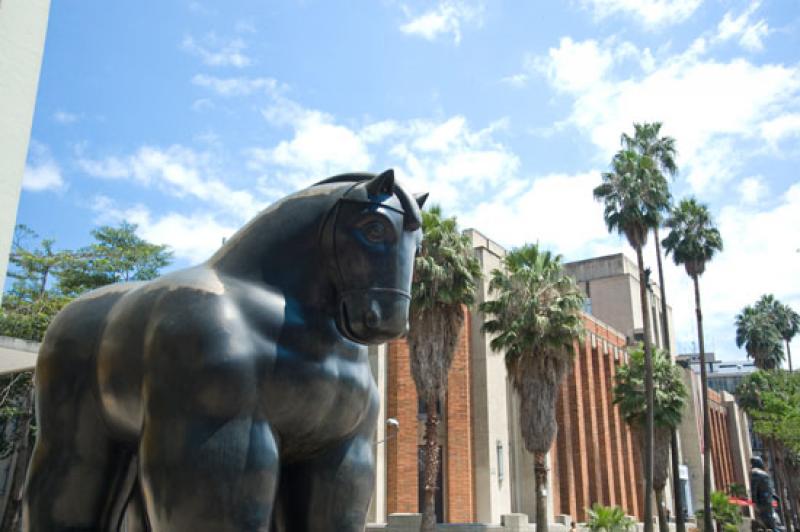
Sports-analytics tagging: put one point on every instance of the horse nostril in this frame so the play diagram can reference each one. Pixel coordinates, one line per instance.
(371, 318)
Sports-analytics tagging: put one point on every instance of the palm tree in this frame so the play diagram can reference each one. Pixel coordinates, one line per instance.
(536, 317)
(634, 195)
(786, 320)
(693, 241)
(647, 141)
(445, 276)
(788, 327)
(757, 333)
(670, 399)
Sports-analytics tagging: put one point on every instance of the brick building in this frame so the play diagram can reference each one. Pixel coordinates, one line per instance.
(486, 471)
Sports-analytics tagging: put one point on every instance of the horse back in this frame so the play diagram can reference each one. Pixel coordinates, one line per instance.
(65, 367)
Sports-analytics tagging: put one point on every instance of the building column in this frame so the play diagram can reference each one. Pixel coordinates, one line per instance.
(23, 25)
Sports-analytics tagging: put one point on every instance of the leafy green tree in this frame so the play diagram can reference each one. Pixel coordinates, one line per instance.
(634, 194)
(31, 302)
(693, 241)
(118, 254)
(608, 519)
(788, 326)
(757, 333)
(725, 513)
(648, 141)
(445, 276)
(44, 281)
(785, 319)
(670, 399)
(536, 319)
(772, 400)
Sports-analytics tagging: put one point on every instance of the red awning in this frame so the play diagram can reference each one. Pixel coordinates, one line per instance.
(740, 502)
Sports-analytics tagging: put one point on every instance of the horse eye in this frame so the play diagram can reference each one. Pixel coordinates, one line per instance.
(374, 232)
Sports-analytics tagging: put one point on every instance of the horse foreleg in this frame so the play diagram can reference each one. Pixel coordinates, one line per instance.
(329, 492)
(208, 475)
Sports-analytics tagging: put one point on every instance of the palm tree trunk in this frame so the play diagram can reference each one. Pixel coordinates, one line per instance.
(431, 465)
(540, 474)
(663, 525)
(648, 389)
(677, 496)
(789, 354)
(706, 419)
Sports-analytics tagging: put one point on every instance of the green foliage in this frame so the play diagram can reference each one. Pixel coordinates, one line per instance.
(44, 280)
(725, 513)
(693, 239)
(757, 331)
(647, 142)
(670, 393)
(787, 321)
(608, 519)
(737, 490)
(445, 270)
(537, 307)
(117, 254)
(32, 301)
(772, 400)
(634, 193)
(15, 405)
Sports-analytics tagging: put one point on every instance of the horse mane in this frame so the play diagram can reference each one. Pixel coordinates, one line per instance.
(356, 177)
(409, 204)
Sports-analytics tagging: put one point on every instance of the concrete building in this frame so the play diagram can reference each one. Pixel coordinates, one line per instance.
(611, 287)
(23, 24)
(486, 472)
(723, 375)
(730, 441)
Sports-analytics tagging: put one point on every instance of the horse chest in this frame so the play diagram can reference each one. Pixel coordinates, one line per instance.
(316, 399)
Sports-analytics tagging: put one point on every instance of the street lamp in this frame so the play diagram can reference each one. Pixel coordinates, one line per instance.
(391, 423)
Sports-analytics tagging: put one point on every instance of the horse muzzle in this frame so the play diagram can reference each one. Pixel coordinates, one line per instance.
(374, 315)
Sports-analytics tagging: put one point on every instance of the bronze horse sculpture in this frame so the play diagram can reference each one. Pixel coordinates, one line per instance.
(235, 395)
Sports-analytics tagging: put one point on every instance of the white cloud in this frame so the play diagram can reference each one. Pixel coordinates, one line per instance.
(177, 171)
(318, 148)
(781, 127)
(750, 34)
(193, 237)
(216, 52)
(446, 18)
(653, 13)
(556, 210)
(759, 257)
(752, 190)
(701, 102)
(41, 171)
(236, 86)
(64, 117)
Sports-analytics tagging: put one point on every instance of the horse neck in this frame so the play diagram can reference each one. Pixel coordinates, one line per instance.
(281, 248)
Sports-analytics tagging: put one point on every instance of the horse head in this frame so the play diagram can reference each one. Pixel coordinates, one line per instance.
(373, 234)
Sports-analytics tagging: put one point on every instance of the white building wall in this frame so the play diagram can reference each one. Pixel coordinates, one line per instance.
(490, 413)
(23, 24)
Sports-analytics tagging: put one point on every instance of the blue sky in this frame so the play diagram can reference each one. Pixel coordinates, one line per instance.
(188, 117)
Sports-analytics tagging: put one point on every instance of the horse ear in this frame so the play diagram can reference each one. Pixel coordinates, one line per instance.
(421, 199)
(382, 184)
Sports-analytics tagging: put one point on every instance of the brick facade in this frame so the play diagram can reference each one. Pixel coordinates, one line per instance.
(594, 456)
(402, 451)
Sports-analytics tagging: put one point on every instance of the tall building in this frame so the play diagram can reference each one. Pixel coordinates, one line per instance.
(723, 375)
(486, 471)
(23, 24)
(611, 287)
